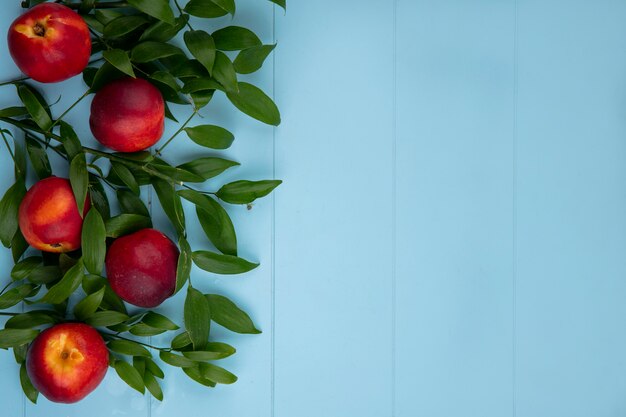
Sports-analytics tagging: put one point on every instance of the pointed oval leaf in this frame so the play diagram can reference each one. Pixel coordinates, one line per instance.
(27, 386)
(153, 386)
(10, 338)
(68, 284)
(209, 167)
(126, 223)
(79, 178)
(131, 203)
(245, 192)
(89, 305)
(120, 60)
(127, 347)
(150, 51)
(202, 47)
(94, 242)
(226, 313)
(210, 136)
(235, 38)
(205, 8)
(35, 105)
(255, 103)
(252, 59)
(156, 8)
(38, 158)
(222, 264)
(197, 318)
(130, 375)
(224, 72)
(183, 269)
(9, 208)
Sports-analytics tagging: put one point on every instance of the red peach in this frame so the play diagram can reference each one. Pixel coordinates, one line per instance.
(49, 217)
(67, 362)
(128, 115)
(141, 267)
(50, 43)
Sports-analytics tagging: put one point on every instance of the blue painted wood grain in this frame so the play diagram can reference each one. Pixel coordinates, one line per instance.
(449, 238)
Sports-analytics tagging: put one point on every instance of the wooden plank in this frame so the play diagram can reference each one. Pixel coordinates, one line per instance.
(571, 205)
(334, 71)
(454, 208)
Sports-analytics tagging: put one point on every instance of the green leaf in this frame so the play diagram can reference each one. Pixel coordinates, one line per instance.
(38, 158)
(99, 197)
(217, 226)
(10, 338)
(202, 47)
(195, 374)
(163, 32)
(281, 3)
(208, 167)
(130, 375)
(22, 269)
(205, 8)
(252, 59)
(170, 201)
(153, 368)
(197, 318)
(15, 296)
(212, 351)
(245, 192)
(235, 38)
(201, 98)
(181, 341)
(45, 274)
(120, 60)
(228, 5)
(151, 51)
(224, 72)
(156, 8)
(175, 360)
(89, 305)
(106, 318)
(143, 330)
(106, 16)
(103, 76)
(9, 208)
(217, 374)
(140, 364)
(226, 313)
(68, 284)
(126, 176)
(94, 242)
(79, 178)
(211, 136)
(153, 386)
(222, 264)
(127, 347)
(123, 26)
(27, 386)
(159, 321)
(20, 158)
(71, 143)
(201, 84)
(32, 319)
(131, 204)
(36, 108)
(255, 103)
(18, 246)
(183, 269)
(125, 224)
(13, 112)
(111, 301)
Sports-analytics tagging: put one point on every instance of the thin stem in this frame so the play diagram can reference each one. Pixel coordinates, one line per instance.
(182, 127)
(81, 98)
(6, 142)
(14, 81)
(102, 5)
(198, 191)
(180, 10)
(135, 341)
(5, 288)
(9, 314)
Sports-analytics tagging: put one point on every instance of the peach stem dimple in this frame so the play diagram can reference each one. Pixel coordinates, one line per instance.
(39, 29)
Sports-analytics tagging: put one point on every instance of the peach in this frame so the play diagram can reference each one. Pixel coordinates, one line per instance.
(49, 218)
(128, 115)
(50, 43)
(67, 362)
(141, 267)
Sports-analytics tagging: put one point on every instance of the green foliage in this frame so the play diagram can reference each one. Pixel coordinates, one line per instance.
(155, 41)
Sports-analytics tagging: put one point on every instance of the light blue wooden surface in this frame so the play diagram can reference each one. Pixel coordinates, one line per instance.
(450, 237)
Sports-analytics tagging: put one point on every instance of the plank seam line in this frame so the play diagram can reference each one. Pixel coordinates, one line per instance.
(515, 140)
(394, 207)
(273, 237)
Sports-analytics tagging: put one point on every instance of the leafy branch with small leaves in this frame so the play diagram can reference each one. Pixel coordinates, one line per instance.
(154, 40)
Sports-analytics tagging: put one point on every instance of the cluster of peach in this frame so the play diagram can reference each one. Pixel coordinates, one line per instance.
(51, 43)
